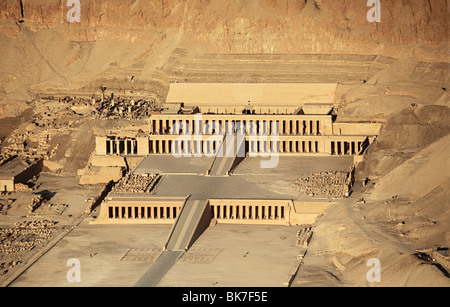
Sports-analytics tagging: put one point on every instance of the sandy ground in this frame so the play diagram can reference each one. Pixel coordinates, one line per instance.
(100, 250)
(346, 238)
(59, 191)
(167, 164)
(248, 256)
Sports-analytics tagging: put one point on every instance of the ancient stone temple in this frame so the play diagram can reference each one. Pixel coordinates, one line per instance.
(286, 119)
(228, 123)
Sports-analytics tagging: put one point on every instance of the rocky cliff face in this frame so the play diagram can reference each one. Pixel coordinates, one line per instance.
(119, 39)
(247, 26)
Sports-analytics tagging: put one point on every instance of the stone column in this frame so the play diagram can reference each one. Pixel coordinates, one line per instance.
(218, 213)
(199, 147)
(199, 127)
(117, 151)
(167, 212)
(157, 126)
(132, 146)
(111, 147)
(152, 212)
(126, 146)
(191, 126)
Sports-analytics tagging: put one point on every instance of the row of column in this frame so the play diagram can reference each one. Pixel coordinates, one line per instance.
(346, 148)
(148, 212)
(284, 147)
(183, 146)
(210, 147)
(248, 127)
(121, 146)
(249, 212)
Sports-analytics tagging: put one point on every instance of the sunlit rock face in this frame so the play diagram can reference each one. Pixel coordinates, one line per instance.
(152, 42)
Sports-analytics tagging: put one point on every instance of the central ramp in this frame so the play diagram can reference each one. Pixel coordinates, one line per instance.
(190, 224)
(194, 218)
(231, 149)
(158, 269)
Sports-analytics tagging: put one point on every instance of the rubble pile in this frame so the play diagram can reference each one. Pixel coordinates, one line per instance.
(33, 142)
(36, 203)
(110, 107)
(55, 115)
(52, 209)
(115, 108)
(20, 187)
(25, 236)
(4, 157)
(304, 236)
(132, 183)
(326, 184)
(5, 204)
(8, 265)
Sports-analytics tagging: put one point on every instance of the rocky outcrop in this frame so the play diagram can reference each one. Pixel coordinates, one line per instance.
(133, 44)
(242, 26)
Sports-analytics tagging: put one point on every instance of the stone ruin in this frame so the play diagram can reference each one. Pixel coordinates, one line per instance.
(132, 183)
(25, 236)
(110, 107)
(5, 204)
(326, 184)
(36, 203)
(52, 209)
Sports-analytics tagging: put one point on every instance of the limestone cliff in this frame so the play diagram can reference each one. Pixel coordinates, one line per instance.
(285, 25)
(119, 39)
